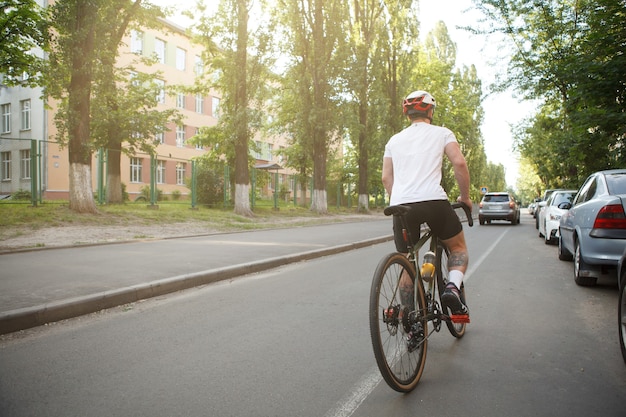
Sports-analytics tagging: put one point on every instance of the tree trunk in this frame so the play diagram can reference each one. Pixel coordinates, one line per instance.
(114, 174)
(318, 199)
(364, 201)
(363, 153)
(79, 95)
(242, 170)
(242, 200)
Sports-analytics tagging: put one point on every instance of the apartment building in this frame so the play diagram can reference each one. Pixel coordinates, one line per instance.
(24, 118)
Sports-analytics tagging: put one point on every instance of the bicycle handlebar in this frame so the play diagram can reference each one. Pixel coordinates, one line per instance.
(467, 210)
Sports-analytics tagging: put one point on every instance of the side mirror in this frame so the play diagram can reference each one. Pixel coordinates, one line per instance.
(565, 206)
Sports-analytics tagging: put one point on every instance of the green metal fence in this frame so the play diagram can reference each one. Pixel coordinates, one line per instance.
(342, 192)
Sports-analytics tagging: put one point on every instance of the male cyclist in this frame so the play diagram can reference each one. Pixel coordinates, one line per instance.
(412, 176)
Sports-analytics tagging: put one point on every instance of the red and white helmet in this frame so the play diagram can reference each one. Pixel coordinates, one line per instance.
(418, 102)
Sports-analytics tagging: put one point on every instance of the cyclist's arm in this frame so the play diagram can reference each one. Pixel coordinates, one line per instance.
(461, 172)
(388, 174)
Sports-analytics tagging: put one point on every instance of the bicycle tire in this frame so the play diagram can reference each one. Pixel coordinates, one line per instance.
(399, 366)
(456, 329)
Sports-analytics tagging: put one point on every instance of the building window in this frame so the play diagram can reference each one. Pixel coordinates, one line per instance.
(25, 164)
(198, 68)
(180, 136)
(180, 173)
(180, 100)
(5, 109)
(198, 145)
(181, 58)
(161, 93)
(25, 115)
(159, 138)
(159, 50)
(135, 169)
(199, 104)
(160, 172)
(215, 107)
(5, 160)
(136, 42)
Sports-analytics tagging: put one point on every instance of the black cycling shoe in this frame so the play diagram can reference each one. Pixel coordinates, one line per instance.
(453, 299)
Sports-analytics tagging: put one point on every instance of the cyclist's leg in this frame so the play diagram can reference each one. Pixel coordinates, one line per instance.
(406, 287)
(458, 258)
(450, 231)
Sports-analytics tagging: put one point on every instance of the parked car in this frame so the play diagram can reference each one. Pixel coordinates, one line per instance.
(621, 304)
(541, 203)
(498, 206)
(532, 207)
(550, 215)
(593, 230)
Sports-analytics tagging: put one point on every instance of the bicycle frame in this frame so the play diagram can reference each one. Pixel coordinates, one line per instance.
(434, 314)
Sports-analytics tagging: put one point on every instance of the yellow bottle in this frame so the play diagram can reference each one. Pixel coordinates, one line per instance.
(428, 267)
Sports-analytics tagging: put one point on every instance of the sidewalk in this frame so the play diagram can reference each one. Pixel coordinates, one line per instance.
(45, 286)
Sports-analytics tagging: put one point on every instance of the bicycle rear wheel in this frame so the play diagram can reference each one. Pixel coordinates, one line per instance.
(456, 329)
(397, 327)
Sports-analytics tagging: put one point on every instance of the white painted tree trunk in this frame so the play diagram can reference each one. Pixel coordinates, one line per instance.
(242, 200)
(81, 191)
(364, 201)
(319, 202)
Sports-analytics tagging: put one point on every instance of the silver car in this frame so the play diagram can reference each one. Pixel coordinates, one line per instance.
(593, 230)
(498, 206)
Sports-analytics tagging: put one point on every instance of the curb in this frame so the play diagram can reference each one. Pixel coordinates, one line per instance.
(28, 317)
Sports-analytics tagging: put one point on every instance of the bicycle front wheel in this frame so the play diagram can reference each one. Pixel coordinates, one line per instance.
(398, 326)
(456, 329)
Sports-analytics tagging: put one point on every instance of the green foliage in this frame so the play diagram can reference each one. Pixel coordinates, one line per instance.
(209, 182)
(23, 28)
(569, 56)
(21, 195)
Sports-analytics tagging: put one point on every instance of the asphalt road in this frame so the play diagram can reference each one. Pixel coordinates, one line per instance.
(294, 341)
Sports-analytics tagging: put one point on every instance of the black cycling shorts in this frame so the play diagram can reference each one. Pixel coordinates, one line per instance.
(438, 214)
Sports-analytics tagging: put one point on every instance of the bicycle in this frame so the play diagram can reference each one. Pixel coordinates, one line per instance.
(399, 325)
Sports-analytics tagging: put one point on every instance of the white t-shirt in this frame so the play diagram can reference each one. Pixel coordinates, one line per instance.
(417, 155)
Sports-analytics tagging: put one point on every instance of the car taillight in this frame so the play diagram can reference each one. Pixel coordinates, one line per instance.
(512, 204)
(610, 217)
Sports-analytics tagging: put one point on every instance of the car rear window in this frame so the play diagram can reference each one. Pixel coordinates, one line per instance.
(503, 198)
(616, 183)
(562, 198)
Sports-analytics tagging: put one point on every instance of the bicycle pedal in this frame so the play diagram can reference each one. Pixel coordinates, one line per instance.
(459, 318)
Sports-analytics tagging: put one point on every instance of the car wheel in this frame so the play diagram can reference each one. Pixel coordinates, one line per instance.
(621, 315)
(481, 221)
(579, 266)
(563, 254)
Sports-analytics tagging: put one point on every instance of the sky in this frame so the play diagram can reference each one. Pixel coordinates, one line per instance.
(501, 110)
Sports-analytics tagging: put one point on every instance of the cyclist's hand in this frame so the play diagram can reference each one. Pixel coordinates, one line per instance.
(466, 201)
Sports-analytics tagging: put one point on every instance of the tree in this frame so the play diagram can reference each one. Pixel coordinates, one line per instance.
(569, 55)
(313, 34)
(124, 102)
(72, 60)
(23, 28)
(242, 81)
(92, 112)
(365, 23)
